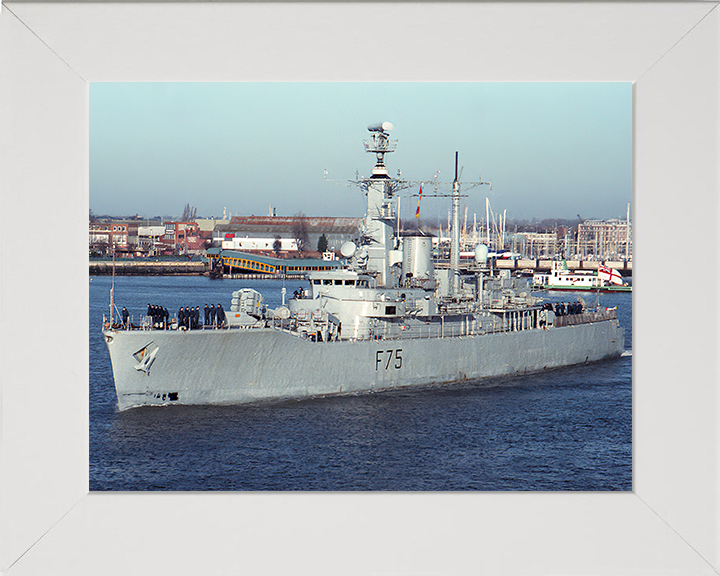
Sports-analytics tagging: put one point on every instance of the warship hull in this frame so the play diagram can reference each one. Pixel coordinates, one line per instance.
(479, 324)
(236, 366)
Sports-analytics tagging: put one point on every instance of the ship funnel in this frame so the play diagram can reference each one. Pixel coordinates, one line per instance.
(417, 256)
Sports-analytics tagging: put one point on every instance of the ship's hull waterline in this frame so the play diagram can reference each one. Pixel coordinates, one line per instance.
(242, 366)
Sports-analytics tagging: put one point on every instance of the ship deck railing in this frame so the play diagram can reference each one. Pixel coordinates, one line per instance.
(586, 317)
(405, 332)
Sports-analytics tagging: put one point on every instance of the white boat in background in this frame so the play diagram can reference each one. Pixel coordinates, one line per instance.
(606, 279)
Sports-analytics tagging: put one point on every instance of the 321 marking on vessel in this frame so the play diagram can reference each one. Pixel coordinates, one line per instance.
(390, 358)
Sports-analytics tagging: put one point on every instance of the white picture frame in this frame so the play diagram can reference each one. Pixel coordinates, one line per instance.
(49, 523)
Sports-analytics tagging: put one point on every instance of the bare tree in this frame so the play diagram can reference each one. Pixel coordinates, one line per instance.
(189, 213)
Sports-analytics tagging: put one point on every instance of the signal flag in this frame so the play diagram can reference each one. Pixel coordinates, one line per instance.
(610, 274)
(417, 213)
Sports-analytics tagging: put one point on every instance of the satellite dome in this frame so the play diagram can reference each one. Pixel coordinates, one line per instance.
(348, 249)
(481, 254)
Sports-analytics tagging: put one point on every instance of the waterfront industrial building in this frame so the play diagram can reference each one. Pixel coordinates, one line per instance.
(292, 236)
(295, 233)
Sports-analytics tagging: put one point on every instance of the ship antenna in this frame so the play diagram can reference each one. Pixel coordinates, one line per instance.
(455, 246)
(112, 292)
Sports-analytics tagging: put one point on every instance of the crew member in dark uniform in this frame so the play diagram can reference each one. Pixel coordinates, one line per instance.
(212, 314)
(207, 315)
(220, 315)
(125, 316)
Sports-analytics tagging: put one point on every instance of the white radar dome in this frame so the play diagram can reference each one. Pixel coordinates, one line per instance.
(481, 254)
(381, 127)
(348, 249)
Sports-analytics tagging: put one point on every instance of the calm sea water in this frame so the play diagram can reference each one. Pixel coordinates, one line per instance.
(567, 429)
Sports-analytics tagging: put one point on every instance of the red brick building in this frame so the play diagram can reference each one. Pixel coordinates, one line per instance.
(103, 236)
(182, 238)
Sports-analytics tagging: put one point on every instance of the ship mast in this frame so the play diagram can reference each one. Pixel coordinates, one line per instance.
(380, 188)
(455, 243)
(112, 290)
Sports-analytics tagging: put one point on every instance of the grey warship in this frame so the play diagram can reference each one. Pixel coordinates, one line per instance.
(388, 319)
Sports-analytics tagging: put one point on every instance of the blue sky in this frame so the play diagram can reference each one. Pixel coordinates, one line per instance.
(551, 150)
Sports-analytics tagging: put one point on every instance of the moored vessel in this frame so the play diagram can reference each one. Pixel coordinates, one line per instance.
(605, 279)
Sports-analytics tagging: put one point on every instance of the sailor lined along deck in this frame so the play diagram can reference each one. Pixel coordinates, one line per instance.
(388, 319)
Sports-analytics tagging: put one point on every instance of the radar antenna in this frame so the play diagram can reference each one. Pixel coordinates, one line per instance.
(380, 144)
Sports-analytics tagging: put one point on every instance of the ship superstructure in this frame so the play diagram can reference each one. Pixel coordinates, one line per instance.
(389, 319)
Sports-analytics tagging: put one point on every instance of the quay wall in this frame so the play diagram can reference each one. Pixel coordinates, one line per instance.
(169, 268)
(539, 265)
(143, 268)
